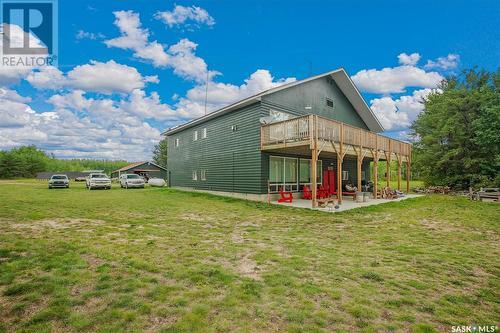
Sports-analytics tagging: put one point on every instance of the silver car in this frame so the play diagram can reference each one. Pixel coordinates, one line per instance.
(131, 180)
(60, 181)
(98, 180)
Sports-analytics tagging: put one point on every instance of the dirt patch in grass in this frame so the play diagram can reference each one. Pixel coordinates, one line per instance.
(62, 223)
(156, 322)
(248, 267)
(437, 225)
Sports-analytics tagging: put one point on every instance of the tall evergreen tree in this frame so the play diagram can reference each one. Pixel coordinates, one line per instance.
(160, 153)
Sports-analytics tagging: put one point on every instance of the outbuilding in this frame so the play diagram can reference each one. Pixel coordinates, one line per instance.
(145, 169)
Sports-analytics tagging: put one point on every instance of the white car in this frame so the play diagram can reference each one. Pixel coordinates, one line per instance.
(61, 181)
(98, 180)
(131, 180)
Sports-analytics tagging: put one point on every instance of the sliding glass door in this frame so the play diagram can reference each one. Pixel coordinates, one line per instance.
(290, 173)
(283, 173)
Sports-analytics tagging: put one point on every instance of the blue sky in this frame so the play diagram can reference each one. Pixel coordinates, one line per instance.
(129, 69)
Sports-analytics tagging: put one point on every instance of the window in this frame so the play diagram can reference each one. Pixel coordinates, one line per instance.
(279, 115)
(305, 171)
(234, 128)
(345, 175)
(195, 135)
(195, 175)
(204, 133)
(363, 175)
(177, 142)
(329, 102)
(283, 173)
(203, 174)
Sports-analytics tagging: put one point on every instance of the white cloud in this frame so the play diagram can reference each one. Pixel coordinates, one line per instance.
(180, 15)
(398, 114)
(222, 94)
(13, 110)
(444, 63)
(395, 80)
(186, 64)
(78, 127)
(135, 38)
(408, 59)
(149, 107)
(180, 56)
(107, 78)
(89, 35)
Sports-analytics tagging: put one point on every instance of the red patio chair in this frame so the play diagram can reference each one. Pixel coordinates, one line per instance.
(322, 193)
(285, 196)
(307, 192)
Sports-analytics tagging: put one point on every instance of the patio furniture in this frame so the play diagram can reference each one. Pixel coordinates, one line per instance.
(306, 193)
(324, 202)
(285, 196)
(322, 192)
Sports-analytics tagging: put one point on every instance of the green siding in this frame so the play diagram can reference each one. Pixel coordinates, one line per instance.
(232, 160)
(314, 94)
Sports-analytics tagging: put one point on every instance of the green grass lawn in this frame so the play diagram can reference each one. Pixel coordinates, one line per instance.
(169, 261)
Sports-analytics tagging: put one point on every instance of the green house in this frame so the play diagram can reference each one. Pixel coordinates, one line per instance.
(283, 139)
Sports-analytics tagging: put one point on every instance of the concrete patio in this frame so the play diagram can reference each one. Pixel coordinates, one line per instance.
(347, 203)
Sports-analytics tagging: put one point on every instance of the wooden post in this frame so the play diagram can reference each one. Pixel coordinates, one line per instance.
(388, 165)
(314, 161)
(400, 161)
(360, 161)
(340, 157)
(408, 170)
(375, 174)
(388, 171)
(314, 176)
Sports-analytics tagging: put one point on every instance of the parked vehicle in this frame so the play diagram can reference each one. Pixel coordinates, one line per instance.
(98, 180)
(60, 181)
(131, 180)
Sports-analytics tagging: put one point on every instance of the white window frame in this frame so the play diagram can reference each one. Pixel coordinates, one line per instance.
(194, 175)
(345, 175)
(292, 187)
(177, 141)
(195, 136)
(204, 133)
(203, 174)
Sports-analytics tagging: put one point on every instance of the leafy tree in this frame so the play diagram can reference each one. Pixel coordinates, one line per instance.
(160, 153)
(458, 131)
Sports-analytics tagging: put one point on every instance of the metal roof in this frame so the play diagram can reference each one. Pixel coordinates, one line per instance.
(340, 77)
(136, 164)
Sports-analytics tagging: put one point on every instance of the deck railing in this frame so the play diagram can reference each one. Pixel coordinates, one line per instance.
(305, 128)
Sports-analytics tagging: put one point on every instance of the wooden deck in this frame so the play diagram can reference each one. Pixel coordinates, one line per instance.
(315, 135)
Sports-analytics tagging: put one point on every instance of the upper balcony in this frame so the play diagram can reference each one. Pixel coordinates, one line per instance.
(301, 134)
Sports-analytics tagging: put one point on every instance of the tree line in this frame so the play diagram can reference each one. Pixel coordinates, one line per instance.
(27, 161)
(458, 133)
